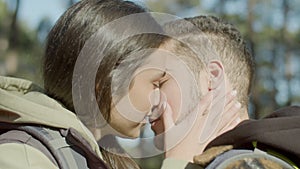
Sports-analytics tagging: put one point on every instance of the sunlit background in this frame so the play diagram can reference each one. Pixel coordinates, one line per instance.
(271, 27)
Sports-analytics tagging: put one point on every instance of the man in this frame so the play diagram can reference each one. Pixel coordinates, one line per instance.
(227, 65)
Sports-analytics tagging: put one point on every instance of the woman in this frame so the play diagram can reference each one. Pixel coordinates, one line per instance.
(71, 35)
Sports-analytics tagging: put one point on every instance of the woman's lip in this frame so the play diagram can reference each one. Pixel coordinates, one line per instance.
(153, 120)
(153, 125)
(157, 126)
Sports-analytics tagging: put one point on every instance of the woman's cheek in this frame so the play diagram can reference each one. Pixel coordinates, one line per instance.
(139, 97)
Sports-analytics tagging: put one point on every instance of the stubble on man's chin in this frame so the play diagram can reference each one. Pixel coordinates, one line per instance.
(159, 135)
(159, 143)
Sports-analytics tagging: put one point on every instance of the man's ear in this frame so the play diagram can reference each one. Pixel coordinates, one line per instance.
(216, 74)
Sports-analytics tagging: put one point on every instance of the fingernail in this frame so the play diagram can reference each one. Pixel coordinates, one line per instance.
(238, 120)
(156, 96)
(164, 106)
(158, 111)
(149, 113)
(218, 88)
(233, 93)
(238, 105)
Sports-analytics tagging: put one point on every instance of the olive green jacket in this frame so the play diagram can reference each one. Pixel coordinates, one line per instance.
(21, 101)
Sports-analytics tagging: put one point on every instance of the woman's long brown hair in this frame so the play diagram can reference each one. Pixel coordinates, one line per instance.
(66, 40)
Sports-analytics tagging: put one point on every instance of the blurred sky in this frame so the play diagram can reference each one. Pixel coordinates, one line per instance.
(32, 11)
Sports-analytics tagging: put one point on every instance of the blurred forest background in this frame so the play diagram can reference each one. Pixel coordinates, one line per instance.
(271, 27)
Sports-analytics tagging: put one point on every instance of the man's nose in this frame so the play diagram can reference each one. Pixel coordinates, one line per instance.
(158, 102)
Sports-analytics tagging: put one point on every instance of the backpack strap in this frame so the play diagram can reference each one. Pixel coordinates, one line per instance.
(63, 151)
(57, 144)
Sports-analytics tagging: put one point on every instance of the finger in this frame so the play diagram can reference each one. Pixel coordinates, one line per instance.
(230, 116)
(230, 125)
(221, 104)
(168, 117)
(211, 118)
(220, 97)
(231, 95)
(205, 103)
(230, 110)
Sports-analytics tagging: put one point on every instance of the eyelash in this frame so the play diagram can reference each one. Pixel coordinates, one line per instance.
(158, 84)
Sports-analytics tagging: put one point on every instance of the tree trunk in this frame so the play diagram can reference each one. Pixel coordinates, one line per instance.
(287, 50)
(250, 36)
(14, 34)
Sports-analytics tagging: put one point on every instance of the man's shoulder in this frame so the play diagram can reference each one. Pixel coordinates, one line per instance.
(289, 111)
(280, 131)
(282, 122)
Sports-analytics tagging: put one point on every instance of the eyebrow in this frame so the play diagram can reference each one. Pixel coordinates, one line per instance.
(160, 77)
(164, 74)
(163, 77)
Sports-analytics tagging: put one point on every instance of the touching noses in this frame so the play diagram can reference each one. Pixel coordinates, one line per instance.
(158, 101)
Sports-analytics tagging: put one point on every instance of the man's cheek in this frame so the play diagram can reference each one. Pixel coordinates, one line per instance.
(159, 141)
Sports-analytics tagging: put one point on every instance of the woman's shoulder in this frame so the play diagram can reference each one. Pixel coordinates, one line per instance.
(15, 155)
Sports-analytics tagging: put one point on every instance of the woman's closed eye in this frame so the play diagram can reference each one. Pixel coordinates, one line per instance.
(158, 83)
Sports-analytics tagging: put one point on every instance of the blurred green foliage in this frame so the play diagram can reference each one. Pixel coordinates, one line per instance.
(20, 56)
(272, 29)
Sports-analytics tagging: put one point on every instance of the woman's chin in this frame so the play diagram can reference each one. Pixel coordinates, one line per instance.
(130, 134)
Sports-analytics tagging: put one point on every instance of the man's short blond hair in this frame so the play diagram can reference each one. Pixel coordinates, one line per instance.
(211, 38)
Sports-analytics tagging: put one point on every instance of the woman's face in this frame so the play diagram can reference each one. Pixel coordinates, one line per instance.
(155, 83)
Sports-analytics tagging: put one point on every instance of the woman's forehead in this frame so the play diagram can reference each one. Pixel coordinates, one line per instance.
(162, 60)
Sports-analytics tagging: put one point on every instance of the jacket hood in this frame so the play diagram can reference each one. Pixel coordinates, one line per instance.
(22, 101)
(279, 131)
